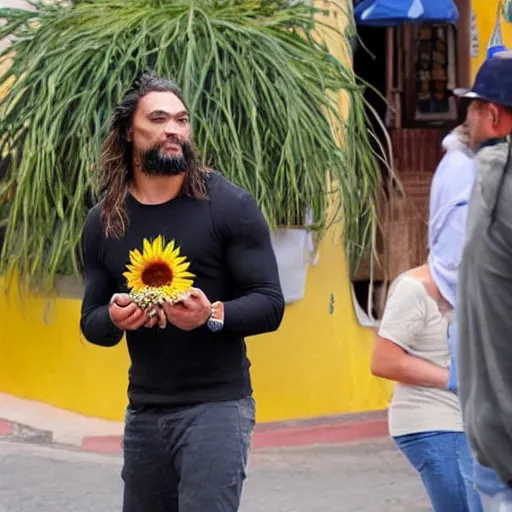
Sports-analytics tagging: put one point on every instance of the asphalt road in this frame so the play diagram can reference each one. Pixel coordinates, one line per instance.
(359, 477)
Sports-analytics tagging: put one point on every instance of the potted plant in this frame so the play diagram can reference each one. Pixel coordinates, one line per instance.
(260, 84)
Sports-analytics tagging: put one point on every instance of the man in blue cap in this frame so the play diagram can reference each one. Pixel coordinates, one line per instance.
(484, 296)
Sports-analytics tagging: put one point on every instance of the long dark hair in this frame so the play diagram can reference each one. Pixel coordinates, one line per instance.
(115, 163)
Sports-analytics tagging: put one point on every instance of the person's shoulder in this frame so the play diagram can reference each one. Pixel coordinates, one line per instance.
(457, 165)
(234, 210)
(491, 161)
(492, 158)
(219, 184)
(93, 224)
(406, 287)
(459, 157)
(406, 306)
(221, 189)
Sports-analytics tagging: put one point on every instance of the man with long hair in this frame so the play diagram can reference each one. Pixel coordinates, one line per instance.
(165, 222)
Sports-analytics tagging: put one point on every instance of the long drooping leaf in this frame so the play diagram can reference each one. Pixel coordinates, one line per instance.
(260, 87)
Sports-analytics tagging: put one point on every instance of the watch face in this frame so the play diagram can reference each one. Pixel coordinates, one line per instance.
(215, 325)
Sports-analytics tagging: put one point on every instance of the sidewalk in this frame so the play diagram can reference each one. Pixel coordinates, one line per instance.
(37, 422)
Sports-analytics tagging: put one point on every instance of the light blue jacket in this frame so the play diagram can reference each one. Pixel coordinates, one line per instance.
(449, 197)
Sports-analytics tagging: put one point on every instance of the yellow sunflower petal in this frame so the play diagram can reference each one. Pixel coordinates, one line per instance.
(136, 256)
(180, 260)
(158, 246)
(135, 285)
(182, 278)
(183, 273)
(168, 251)
(148, 249)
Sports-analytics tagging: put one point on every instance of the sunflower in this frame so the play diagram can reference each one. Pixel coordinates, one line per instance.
(157, 274)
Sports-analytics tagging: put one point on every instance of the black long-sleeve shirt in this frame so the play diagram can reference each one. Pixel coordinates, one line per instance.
(227, 242)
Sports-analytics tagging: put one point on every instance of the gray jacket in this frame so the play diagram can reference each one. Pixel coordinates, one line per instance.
(484, 313)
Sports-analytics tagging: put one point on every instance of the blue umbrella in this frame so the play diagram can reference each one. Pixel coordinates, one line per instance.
(397, 12)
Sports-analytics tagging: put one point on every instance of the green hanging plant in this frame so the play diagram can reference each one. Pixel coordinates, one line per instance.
(258, 83)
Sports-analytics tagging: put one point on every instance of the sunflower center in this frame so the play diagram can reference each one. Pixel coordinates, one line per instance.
(157, 274)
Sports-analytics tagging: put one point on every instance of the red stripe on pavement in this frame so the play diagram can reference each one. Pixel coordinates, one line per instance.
(102, 444)
(278, 438)
(334, 433)
(6, 427)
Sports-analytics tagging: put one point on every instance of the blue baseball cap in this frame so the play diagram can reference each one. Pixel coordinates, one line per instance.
(493, 81)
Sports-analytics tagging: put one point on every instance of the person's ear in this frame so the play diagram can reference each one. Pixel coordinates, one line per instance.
(494, 113)
(129, 135)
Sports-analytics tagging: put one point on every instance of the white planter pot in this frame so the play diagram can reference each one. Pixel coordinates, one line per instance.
(293, 248)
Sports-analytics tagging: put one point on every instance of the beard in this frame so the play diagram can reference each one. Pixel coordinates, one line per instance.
(155, 163)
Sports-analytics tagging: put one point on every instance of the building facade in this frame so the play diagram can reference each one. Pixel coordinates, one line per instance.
(317, 364)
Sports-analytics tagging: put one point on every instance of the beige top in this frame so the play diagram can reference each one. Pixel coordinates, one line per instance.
(413, 321)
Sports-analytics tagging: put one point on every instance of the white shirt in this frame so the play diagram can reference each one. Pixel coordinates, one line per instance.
(413, 321)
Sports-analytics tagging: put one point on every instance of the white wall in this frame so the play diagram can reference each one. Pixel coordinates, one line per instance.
(19, 4)
(14, 3)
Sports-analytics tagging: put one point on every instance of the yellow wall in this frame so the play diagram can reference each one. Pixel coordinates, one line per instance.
(51, 363)
(485, 11)
(316, 364)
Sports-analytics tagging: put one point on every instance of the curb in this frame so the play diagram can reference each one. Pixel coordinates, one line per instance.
(286, 434)
(19, 432)
(6, 428)
(293, 434)
(327, 434)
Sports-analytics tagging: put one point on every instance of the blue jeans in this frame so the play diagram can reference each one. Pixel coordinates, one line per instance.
(443, 459)
(187, 460)
(501, 502)
(496, 495)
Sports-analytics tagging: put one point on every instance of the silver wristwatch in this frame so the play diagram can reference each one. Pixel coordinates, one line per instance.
(214, 324)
